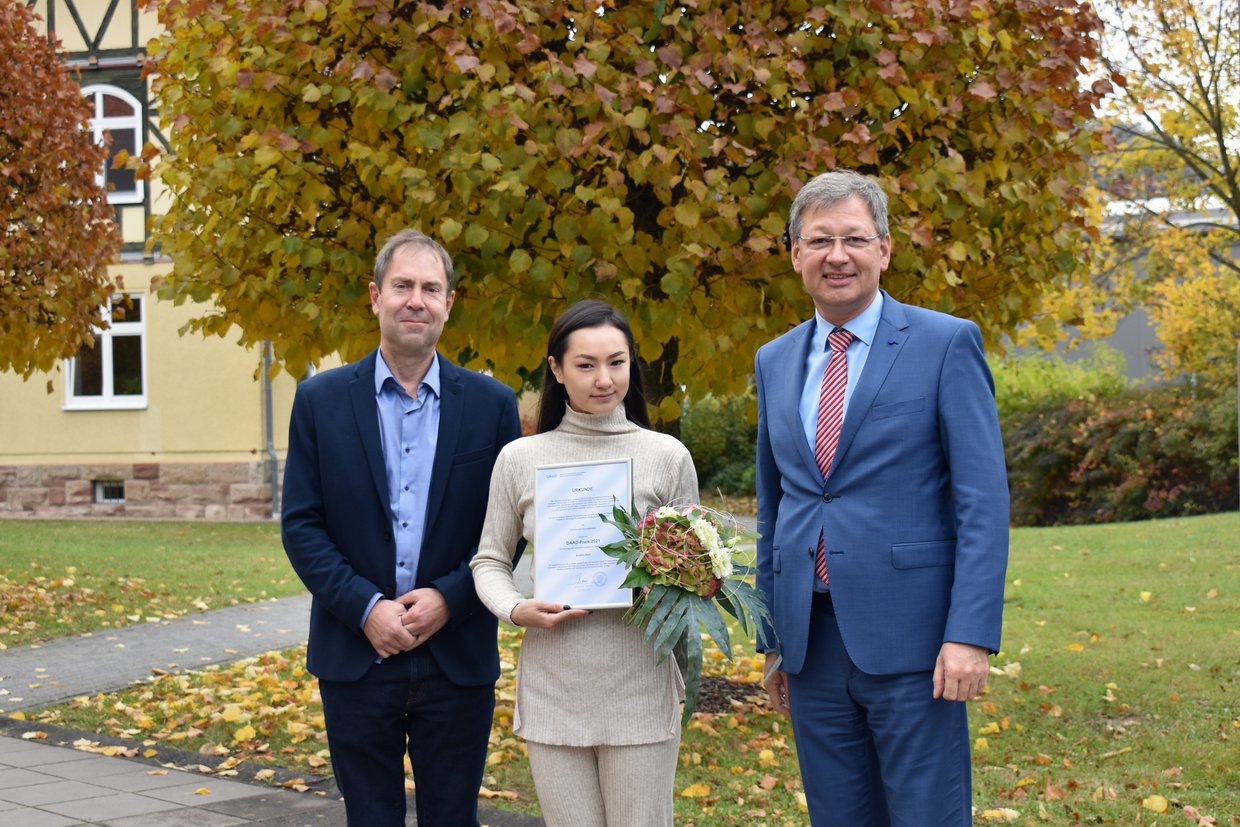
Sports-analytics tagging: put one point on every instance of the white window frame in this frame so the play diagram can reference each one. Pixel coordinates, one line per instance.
(100, 124)
(108, 400)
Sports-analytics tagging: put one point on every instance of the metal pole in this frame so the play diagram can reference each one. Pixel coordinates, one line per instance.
(273, 461)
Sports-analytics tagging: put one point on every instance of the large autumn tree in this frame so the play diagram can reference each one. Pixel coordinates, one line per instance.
(642, 152)
(57, 234)
(1168, 194)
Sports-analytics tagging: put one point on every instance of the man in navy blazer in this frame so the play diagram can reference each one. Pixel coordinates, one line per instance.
(385, 489)
(911, 517)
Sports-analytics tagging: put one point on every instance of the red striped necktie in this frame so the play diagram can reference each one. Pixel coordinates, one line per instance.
(830, 418)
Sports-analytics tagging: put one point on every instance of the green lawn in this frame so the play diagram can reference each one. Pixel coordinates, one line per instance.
(1115, 700)
(65, 577)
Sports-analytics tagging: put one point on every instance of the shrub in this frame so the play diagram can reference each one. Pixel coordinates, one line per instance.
(1031, 381)
(721, 433)
(1148, 452)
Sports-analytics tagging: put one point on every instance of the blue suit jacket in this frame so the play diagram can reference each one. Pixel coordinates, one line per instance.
(915, 508)
(337, 524)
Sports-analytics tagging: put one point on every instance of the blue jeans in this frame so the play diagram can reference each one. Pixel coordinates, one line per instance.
(406, 704)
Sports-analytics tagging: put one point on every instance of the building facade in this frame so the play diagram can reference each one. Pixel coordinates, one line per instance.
(147, 422)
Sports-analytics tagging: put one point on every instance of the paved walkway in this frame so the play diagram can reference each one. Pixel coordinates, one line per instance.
(47, 782)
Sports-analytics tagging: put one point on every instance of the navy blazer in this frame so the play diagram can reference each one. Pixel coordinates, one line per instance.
(915, 508)
(337, 523)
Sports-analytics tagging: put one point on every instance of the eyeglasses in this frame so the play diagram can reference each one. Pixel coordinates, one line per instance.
(819, 243)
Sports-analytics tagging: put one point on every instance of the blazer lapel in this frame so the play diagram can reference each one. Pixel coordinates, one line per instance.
(790, 392)
(366, 418)
(889, 338)
(451, 412)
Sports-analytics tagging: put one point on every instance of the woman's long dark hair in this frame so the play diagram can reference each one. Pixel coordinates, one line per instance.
(583, 314)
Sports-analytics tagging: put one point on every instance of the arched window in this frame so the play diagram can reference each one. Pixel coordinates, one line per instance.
(119, 114)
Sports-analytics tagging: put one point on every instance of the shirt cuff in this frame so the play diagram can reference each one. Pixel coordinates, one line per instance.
(366, 614)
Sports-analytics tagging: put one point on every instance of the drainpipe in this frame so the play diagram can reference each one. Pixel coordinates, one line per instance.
(273, 461)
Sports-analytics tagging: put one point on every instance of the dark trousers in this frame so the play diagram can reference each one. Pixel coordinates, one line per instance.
(876, 750)
(406, 704)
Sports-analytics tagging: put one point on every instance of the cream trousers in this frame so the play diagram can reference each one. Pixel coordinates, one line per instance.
(606, 786)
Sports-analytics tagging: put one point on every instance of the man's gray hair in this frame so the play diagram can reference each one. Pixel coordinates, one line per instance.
(832, 187)
(407, 238)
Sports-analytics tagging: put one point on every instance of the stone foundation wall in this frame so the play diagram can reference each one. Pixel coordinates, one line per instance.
(181, 490)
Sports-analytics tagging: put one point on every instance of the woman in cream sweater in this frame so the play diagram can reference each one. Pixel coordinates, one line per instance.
(600, 715)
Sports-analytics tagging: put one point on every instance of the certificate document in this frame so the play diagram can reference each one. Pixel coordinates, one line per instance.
(568, 533)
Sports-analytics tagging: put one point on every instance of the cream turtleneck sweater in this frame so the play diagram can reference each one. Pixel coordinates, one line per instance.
(591, 680)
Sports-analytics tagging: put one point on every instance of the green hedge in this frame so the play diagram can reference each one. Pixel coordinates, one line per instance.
(1138, 454)
(1082, 446)
(722, 435)
(1035, 380)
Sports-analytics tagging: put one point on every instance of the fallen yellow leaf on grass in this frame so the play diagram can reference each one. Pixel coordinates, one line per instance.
(1004, 814)
(1145, 596)
(506, 794)
(246, 733)
(1156, 803)
(1075, 647)
(766, 757)
(695, 791)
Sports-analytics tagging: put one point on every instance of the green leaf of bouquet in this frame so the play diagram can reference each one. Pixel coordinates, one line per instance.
(649, 603)
(623, 520)
(693, 676)
(724, 598)
(637, 579)
(708, 615)
(617, 549)
(667, 618)
(750, 604)
(677, 624)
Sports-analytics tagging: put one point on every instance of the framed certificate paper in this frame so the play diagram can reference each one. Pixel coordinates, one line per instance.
(568, 533)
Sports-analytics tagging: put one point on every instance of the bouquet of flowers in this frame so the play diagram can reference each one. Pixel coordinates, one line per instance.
(683, 562)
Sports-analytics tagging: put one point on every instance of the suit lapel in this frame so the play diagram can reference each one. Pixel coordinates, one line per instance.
(889, 338)
(451, 412)
(366, 418)
(790, 392)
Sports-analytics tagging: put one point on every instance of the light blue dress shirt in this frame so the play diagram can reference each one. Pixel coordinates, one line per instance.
(863, 328)
(408, 433)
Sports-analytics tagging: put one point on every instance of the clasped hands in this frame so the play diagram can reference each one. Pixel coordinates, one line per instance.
(395, 626)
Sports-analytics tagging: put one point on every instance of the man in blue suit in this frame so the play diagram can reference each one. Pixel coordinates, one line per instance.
(385, 490)
(884, 571)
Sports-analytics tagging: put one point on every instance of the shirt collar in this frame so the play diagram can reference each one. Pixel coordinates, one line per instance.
(383, 373)
(863, 326)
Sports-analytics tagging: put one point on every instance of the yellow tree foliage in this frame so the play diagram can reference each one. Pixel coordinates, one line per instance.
(57, 234)
(642, 152)
(1168, 195)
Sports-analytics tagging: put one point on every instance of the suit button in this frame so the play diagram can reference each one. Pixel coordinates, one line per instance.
(826, 496)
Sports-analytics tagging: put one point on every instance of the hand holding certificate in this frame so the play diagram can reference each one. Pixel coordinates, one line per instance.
(569, 565)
